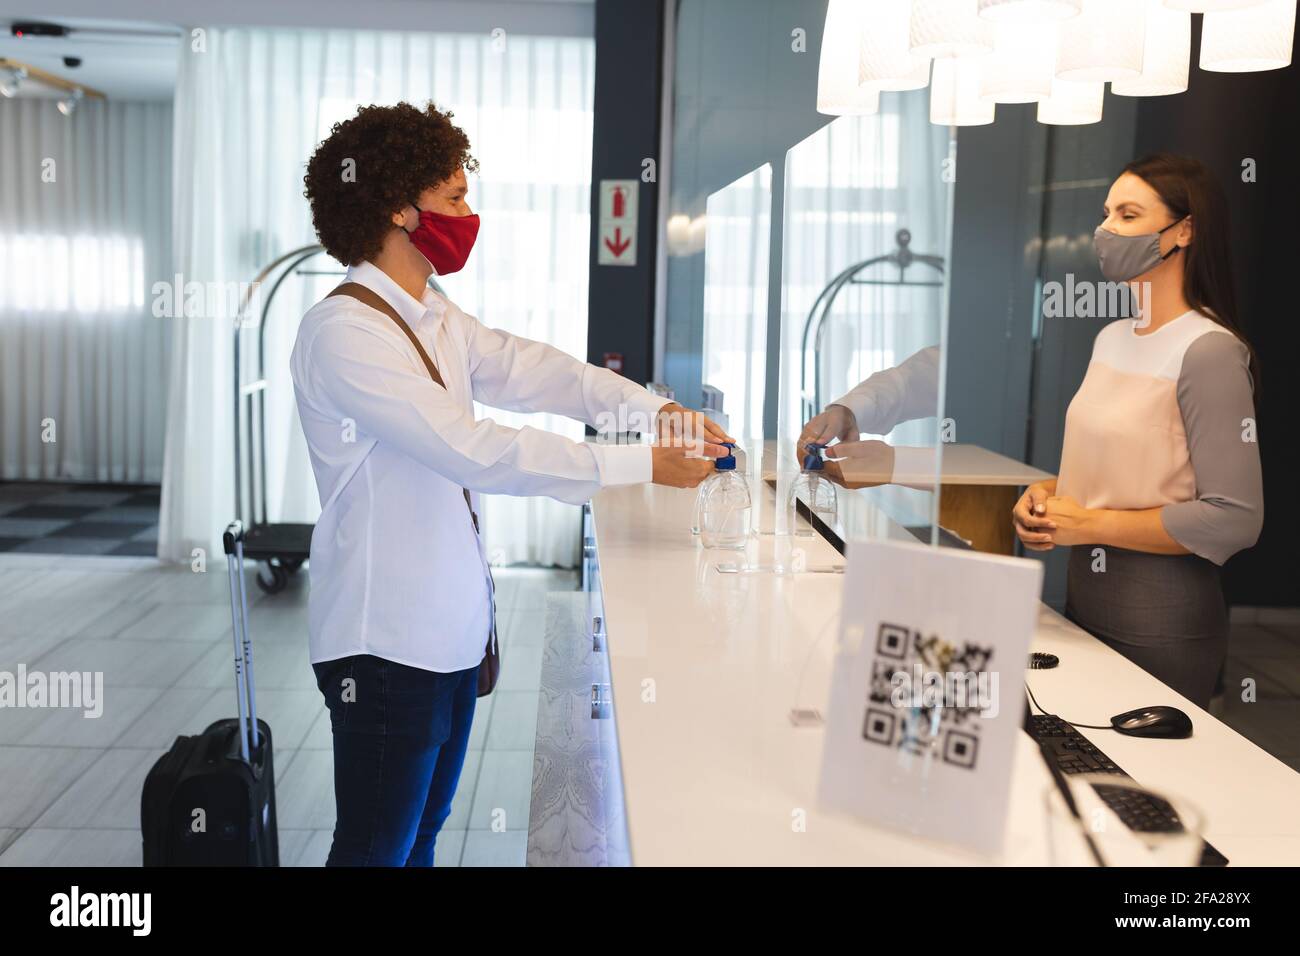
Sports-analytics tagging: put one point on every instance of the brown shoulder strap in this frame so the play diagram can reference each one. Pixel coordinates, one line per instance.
(368, 297)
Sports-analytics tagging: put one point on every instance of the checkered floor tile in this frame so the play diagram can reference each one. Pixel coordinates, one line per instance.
(57, 518)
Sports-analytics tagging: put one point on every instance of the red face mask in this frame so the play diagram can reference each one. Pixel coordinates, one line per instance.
(444, 240)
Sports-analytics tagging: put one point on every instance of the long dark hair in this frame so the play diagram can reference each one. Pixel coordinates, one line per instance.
(1189, 189)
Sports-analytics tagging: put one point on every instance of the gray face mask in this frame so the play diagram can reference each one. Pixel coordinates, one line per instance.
(1126, 257)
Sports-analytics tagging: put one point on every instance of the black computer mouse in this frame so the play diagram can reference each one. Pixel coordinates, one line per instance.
(1153, 722)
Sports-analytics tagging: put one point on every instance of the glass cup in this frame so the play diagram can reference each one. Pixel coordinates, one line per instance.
(1166, 830)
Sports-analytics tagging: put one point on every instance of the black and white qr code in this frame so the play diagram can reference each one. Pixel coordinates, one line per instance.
(949, 729)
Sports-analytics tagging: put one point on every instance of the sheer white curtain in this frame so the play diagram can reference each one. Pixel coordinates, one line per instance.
(249, 112)
(84, 234)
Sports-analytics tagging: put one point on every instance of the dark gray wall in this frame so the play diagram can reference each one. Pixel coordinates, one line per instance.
(626, 131)
(1223, 119)
(997, 210)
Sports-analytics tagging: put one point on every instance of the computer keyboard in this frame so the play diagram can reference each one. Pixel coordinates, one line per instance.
(1074, 753)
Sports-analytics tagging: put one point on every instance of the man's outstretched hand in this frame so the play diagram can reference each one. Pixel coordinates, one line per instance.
(677, 467)
(686, 444)
(678, 425)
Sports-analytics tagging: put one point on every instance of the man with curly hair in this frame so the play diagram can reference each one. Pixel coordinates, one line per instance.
(386, 372)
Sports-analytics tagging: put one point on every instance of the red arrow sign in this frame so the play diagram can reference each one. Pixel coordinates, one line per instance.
(619, 245)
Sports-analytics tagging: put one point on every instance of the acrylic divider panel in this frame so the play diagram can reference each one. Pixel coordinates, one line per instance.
(737, 238)
(866, 235)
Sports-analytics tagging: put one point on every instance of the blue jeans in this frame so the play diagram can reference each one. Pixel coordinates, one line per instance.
(400, 735)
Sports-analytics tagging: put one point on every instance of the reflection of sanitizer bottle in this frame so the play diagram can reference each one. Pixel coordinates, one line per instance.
(723, 507)
(814, 488)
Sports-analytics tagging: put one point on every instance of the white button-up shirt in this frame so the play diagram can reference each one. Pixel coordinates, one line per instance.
(397, 569)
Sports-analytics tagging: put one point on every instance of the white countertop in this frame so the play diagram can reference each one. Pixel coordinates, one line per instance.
(706, 667)
(972, 465)
(961, 464)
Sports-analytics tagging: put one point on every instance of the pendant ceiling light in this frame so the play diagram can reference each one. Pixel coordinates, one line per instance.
(838, 91)
(955, 93)
(1104, 42)
(1248, 39)
(1072, 103)
(1029, 11)
(1167, 54)
(1022, 64)
(948, 28)
(1057, 53)
(885, 60)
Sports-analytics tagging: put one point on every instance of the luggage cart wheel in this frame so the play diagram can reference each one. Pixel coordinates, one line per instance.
(279, 577)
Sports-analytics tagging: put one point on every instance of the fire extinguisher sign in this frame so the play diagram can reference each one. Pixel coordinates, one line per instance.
(617, 240)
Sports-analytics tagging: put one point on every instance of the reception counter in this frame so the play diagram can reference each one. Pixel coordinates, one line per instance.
(669, 728)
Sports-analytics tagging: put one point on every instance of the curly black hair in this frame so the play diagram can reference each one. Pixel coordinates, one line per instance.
(396, 152)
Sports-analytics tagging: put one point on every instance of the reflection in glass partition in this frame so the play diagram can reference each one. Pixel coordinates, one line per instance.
(866, 231)
(738, 223)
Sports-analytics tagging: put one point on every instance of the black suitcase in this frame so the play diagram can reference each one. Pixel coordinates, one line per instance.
(210, 800)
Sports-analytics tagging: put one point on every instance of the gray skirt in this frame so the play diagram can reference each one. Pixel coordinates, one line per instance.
(1164, 612)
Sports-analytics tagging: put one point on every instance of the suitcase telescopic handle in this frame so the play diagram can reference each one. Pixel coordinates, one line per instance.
(249, 735)
(234, 532)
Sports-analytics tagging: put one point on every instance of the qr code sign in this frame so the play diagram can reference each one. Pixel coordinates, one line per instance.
(949, 732)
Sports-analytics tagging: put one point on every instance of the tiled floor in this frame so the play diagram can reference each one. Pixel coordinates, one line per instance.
(53, 518)
(71, 785)
(1264, 663)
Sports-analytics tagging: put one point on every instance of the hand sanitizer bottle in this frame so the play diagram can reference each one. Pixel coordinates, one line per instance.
(814, 488)
(724, 507)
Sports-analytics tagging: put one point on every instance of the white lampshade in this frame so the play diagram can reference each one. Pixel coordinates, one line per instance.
(1206, 6)
(886, 61)
(838, 90)
(1105, 42)
(1029, 11)
(944, 28)
(1072, 103)
(955, 93)
(1249, 39)
(1167, 55)
(1022, 64)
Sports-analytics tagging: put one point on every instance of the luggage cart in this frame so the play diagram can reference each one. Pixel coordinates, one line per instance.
(281, 547)
(814, 329)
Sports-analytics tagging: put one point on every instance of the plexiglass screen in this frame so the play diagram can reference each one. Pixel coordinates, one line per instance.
(865, 240)
(738, 226)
